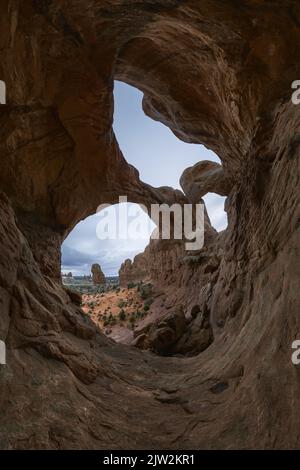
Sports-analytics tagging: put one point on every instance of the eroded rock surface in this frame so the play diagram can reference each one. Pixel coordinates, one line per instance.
(205, 177)
(217, 73)
(136, 271)
(98, 276)
(161, 336)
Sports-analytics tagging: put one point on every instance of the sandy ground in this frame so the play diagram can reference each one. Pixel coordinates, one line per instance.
(104, 309)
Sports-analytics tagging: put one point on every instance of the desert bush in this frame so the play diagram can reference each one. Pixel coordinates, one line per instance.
(149, 301)
(145, 291)
(131, 285)
(111, 320)
(122, 315)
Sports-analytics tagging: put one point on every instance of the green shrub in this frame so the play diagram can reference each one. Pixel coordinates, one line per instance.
(111, 320)
(131, 285)
(145, 291)
(146, 308)
(122, 315)
(122, 304)
(149, 301)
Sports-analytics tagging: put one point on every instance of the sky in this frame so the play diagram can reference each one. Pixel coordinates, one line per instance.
(160, 158)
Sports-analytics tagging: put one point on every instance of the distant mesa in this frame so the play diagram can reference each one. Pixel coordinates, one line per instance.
(97, 275)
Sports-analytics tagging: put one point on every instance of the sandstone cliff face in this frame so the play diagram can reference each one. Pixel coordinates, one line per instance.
(133, 271)
(217, 73)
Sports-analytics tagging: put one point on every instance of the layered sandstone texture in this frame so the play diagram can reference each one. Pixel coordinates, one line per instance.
(217, 73)
(134, 271)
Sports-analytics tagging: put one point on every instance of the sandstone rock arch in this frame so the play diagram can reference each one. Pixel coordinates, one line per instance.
(217, 73)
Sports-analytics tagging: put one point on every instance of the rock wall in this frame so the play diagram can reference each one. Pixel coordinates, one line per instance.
(134, 271)
(217, 73)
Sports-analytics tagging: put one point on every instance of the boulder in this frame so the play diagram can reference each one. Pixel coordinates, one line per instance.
(161, 334)
(205, 177)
